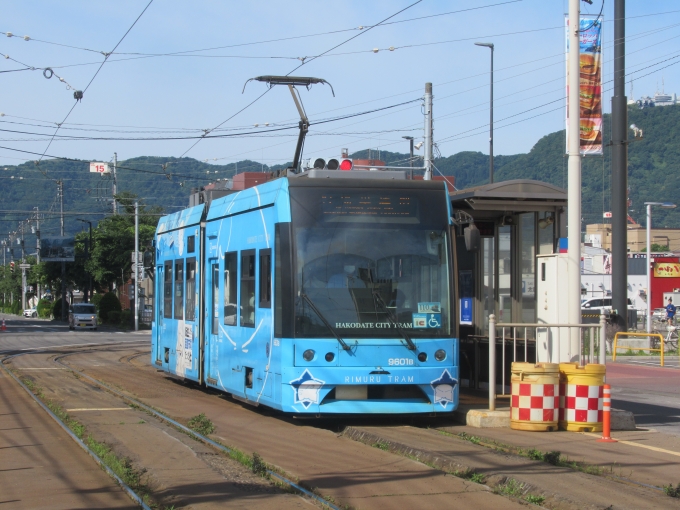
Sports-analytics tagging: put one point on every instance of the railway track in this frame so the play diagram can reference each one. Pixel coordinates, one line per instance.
(58, 417)
(357, 476)
(325, 468)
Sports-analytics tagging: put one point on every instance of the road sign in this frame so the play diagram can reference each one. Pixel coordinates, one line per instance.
(139, 256)
(607, 215)
(140, 274)
(99, 168)
(25, 266)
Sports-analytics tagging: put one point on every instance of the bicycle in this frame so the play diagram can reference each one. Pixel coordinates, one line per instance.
(671, 339)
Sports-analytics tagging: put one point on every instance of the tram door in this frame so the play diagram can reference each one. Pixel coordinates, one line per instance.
(213, 316)
(158, 309)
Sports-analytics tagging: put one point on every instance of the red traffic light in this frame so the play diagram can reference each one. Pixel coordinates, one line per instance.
(346, 164)
(11, 266)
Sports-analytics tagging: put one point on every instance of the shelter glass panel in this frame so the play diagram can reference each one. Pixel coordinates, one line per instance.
(504, 274)
(527, 229)
(488, 298)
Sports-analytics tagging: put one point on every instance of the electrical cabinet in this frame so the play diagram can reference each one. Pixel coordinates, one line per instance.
(553, 344)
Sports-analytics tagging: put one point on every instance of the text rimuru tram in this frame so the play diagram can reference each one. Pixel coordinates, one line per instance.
(321, 293)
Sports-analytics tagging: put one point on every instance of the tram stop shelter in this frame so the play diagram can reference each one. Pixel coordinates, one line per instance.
(517, 220)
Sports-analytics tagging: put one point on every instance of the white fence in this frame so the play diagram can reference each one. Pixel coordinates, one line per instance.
(555, 343)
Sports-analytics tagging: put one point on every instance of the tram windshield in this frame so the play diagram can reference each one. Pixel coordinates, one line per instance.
(372, 262)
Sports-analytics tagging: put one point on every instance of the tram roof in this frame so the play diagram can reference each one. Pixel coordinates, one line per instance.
(180, 219)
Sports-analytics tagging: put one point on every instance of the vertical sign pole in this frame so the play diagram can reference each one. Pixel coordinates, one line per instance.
(574, 182)
(428, 132)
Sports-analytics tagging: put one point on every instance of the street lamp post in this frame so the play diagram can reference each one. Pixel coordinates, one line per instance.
(490, 46)
(665, 205)
(410, 139)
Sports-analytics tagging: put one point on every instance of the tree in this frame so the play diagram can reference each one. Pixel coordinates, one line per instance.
(114, 241)
(657, 248)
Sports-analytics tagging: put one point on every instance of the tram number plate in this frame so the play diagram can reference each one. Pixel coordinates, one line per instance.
(396, 362)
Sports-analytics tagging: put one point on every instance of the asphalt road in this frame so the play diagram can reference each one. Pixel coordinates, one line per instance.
(650, 392)
(24, 334)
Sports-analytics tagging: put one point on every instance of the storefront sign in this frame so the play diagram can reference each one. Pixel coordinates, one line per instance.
(666, 270)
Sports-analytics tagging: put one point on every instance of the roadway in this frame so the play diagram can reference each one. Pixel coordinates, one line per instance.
(650, 392)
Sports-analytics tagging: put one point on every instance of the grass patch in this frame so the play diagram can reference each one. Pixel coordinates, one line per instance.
(381, 445)
(258, 466)
(534, 499)
(553, 457)
(673, 492)
(201, 424)
(510, 487)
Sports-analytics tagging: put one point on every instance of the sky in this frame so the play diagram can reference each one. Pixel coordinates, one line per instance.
(209, 49)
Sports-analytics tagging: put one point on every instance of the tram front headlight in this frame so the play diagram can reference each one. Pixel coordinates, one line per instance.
(330, 356)
(308, 355)
(440, 355)
(422, 356)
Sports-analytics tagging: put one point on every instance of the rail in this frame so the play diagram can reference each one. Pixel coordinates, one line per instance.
(551, 336)
(650, 349)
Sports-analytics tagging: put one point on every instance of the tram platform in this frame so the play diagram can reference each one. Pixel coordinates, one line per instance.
(42, 467)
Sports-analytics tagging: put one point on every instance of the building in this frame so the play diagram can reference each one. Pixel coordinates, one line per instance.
(599, 235)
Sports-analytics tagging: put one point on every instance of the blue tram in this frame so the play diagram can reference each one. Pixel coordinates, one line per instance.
(311, 295)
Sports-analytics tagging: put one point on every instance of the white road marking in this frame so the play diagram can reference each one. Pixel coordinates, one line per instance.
(52, 368)
(98, 409)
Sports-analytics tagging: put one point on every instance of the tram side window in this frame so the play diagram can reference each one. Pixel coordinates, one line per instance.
(248, 288)
(230, 283)
(191, 290)
(167, 291)
(191, 244)
(215, 297)
(265, 278)
(179, 289)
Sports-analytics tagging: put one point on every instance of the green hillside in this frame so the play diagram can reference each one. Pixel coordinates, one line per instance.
(654, 175)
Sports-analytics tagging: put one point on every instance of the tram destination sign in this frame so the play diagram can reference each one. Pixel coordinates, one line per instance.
(368, 205)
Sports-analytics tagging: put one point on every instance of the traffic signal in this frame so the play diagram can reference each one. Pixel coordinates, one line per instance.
(11, 266)
(333, 164)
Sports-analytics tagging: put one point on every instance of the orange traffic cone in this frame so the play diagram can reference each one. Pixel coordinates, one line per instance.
(4, 328)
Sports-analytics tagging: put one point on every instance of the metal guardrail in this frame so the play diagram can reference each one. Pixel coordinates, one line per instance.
(597, 332)
(650, 349)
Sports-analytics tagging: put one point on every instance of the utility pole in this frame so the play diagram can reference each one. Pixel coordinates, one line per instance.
(23, 269)
(574, 182)
(428, 132)
(60, 187)
(620, 169)
(115, 184)
(37, 253)
(136, 265)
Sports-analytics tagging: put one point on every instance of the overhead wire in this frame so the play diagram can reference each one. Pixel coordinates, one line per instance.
(306, 61)
(106, 56)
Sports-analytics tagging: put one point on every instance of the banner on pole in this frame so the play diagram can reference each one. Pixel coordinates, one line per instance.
(590, 88)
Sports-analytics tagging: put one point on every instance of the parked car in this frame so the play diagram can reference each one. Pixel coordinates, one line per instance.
(599, 305)
(31, 312)
(82, 316)
(659, 314)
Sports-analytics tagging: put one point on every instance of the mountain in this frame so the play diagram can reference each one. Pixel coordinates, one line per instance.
(653, 169)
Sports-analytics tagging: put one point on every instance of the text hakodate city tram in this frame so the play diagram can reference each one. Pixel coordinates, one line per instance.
(320, 293)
